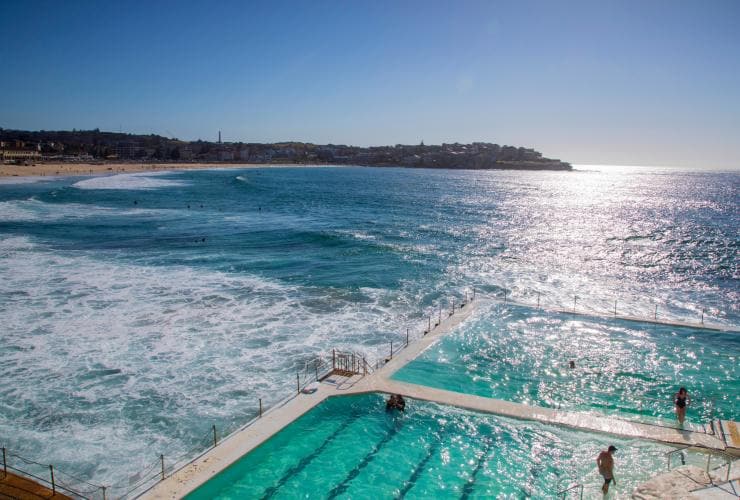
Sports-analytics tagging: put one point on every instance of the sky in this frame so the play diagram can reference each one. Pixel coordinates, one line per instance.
(645, 82)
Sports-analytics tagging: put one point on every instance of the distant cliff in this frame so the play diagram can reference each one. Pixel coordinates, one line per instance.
(85, 145)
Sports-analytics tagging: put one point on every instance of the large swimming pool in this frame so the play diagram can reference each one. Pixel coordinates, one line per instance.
(625, 368)
(349, 447)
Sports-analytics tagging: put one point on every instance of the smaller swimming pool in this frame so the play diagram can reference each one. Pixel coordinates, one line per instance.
(627, 369)
(350, 447)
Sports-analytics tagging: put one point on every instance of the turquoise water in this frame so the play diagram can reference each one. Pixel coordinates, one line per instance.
(140, 309)
(628, 369)
(349, 447)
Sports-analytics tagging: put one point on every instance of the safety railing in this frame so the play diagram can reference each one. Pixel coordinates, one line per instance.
(727, 460)
(314, 369)
(605, 309)
(51, 477)
(577, 488)
(348, 363)
(680, 452)
(442, 311)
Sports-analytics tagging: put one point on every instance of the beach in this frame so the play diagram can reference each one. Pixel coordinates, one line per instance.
(62, 169)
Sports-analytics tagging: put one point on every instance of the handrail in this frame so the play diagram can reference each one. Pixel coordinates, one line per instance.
(577, 486)
(53, 481)
(729, 459)
(315, 368)
(601, 311)
(670, 454)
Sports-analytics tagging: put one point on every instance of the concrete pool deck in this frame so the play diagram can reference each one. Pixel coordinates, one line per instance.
(596, 314)
(189, 477)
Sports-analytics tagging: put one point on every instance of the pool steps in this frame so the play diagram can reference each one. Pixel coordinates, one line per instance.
(197, 472)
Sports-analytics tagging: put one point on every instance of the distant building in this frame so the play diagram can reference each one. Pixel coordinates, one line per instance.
(128, 150)
(12, 155)
(186, 153)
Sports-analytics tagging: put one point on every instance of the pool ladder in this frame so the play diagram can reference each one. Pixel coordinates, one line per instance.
(577, 486)
(726, 457)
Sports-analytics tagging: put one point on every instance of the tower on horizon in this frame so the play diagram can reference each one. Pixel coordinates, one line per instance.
(219, 137)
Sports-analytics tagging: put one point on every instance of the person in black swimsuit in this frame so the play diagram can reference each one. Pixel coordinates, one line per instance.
(681, 400)
(396, 402)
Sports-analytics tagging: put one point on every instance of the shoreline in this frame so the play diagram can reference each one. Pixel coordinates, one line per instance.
(90, 169)
(74, 169)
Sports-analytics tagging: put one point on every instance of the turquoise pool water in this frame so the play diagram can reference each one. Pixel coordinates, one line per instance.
(141, 309)
(630, 369)
(349, 447)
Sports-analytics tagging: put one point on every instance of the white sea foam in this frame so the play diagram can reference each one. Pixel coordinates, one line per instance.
(32, 209)
(133, 358)
(27, 179)
(137, 181)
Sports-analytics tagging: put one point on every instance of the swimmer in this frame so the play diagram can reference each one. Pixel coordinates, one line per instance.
(571, 364)
(681, 399)
(395, 402)
(605, 462)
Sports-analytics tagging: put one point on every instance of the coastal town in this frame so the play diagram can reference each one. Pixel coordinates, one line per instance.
(86, 146)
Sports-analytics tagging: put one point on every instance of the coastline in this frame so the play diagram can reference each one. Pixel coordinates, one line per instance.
(67, 169)
(74, 169)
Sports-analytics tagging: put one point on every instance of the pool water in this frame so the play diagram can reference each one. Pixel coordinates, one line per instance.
(350, 447)
(622, 368)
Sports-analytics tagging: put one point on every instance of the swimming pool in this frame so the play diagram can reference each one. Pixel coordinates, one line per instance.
(349, 447)
(625, 368)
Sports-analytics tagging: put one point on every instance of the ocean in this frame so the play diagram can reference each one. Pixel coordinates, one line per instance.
(138, 310)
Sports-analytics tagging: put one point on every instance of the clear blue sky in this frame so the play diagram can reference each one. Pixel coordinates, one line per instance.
(642, 82)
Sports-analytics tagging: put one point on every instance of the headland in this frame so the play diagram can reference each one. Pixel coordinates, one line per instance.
(93, 151)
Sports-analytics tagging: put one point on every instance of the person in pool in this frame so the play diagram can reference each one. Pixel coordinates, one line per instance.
(605, 462)
(681, 399)
(396, 402)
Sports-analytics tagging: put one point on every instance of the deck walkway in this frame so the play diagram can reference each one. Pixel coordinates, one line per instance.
(200, 470)
(698, 325)
(197, 472)
(22, 488)
(575, 420)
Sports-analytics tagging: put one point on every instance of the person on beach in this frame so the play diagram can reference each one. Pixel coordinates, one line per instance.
(605, 462)
(681, 399)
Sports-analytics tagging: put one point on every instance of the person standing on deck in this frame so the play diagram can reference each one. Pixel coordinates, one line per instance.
(605, 462)
(681, 400)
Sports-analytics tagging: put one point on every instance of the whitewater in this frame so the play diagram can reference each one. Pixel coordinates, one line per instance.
(140, 309)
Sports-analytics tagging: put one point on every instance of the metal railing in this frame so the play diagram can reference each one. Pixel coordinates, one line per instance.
(728, 460)
(49, 476)
(441, 313)
(537, 299)
(678, 451)
(314, 369)
(574, 487)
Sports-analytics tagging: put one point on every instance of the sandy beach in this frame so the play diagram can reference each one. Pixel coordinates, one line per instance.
(61, 169)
